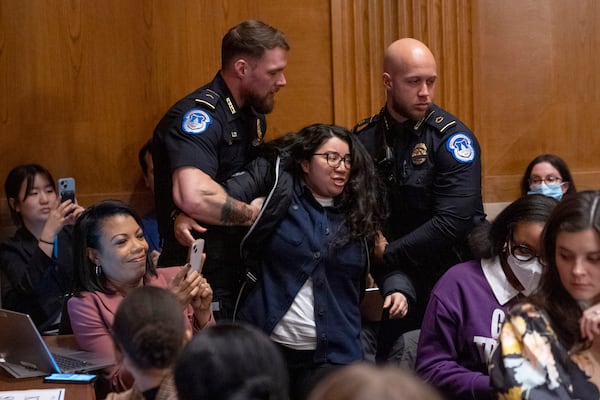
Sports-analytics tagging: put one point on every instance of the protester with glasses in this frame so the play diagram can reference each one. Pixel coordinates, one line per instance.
(549, 175)
(308, 253)
(334, 159)
(469, 303)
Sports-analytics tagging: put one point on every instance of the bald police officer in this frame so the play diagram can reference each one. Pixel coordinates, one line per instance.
(430, 163)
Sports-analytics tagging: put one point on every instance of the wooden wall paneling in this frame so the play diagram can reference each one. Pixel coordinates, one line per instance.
(538, 89)
(343, 62)
(358, 40)
(84, 83)
(308, 96)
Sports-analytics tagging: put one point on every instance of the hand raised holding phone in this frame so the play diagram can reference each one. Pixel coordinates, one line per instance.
(192, 288)
(195, 255)
(66, 189)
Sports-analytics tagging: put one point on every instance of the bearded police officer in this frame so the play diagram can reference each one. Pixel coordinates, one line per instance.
(205, 138)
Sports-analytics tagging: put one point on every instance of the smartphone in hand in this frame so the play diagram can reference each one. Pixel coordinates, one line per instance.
(66, 189)
(196, 250)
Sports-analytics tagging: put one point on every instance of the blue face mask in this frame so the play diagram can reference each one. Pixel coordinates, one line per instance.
(553, 190)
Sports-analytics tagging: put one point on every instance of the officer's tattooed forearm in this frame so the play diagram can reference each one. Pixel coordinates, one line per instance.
(235, 213)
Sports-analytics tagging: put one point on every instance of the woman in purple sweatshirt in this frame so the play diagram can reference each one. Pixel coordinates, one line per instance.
(468, 304)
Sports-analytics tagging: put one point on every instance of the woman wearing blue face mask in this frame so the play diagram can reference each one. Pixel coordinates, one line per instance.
(549, 175)
(469, 302)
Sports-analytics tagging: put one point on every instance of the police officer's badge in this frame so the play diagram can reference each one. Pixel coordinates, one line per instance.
(196, 121)
(419, 154)
(461, 147)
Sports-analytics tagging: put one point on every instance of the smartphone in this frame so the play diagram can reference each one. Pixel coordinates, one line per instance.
(70, 378)
(66, 189)
(196, 250)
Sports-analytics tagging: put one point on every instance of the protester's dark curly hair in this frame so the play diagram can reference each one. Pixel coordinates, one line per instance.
(361, 199)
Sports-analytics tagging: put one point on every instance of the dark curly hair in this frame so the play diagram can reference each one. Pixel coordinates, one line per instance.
(360, 201)
(149, 327)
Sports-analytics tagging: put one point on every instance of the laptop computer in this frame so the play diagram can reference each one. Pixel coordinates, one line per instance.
(23, 352)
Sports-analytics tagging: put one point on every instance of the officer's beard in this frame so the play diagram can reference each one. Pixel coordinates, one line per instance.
(262, 105)
(405, 112)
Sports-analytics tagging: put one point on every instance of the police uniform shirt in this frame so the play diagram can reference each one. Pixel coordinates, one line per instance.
(432, 172)
(205, 130)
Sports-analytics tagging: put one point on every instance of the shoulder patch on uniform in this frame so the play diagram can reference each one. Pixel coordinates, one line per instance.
(196, 121)
(208, 98)
(440, 120)
(365, 123)
(460, 145)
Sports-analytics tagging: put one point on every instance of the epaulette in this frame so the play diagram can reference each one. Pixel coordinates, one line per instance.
(208, 98)
(441, 120)
(366, 123)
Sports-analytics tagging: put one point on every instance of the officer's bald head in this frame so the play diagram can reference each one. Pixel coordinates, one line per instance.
(409, 77)
(406, 53)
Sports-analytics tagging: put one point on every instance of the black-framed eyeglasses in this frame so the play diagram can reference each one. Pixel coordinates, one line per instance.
(522, 252)
(335, 159)
(549, 180)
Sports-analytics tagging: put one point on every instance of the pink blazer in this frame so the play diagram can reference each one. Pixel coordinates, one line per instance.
(92, 317)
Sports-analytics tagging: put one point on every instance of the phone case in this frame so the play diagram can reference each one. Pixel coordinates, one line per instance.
(66, 189)
(196, 250)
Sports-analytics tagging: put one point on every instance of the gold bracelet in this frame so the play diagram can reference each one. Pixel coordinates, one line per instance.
(47, 242)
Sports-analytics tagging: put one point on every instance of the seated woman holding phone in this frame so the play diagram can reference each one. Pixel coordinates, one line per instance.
(36, 264)
(112, 260)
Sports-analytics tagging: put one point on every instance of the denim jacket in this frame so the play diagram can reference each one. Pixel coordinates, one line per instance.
(294, 238)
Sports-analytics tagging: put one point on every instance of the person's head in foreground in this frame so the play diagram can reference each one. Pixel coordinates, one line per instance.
(231, 361)
(369, 382)
(149, 329)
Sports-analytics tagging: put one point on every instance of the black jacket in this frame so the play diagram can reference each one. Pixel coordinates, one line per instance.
(432, 173)
(32, 282)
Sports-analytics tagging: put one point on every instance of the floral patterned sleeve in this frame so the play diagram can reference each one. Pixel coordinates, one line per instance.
(530, 363)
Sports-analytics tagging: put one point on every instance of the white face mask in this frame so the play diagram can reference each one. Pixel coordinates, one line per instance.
(527, 272)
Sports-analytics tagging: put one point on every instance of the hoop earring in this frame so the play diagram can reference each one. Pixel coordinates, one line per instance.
(98, 270)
